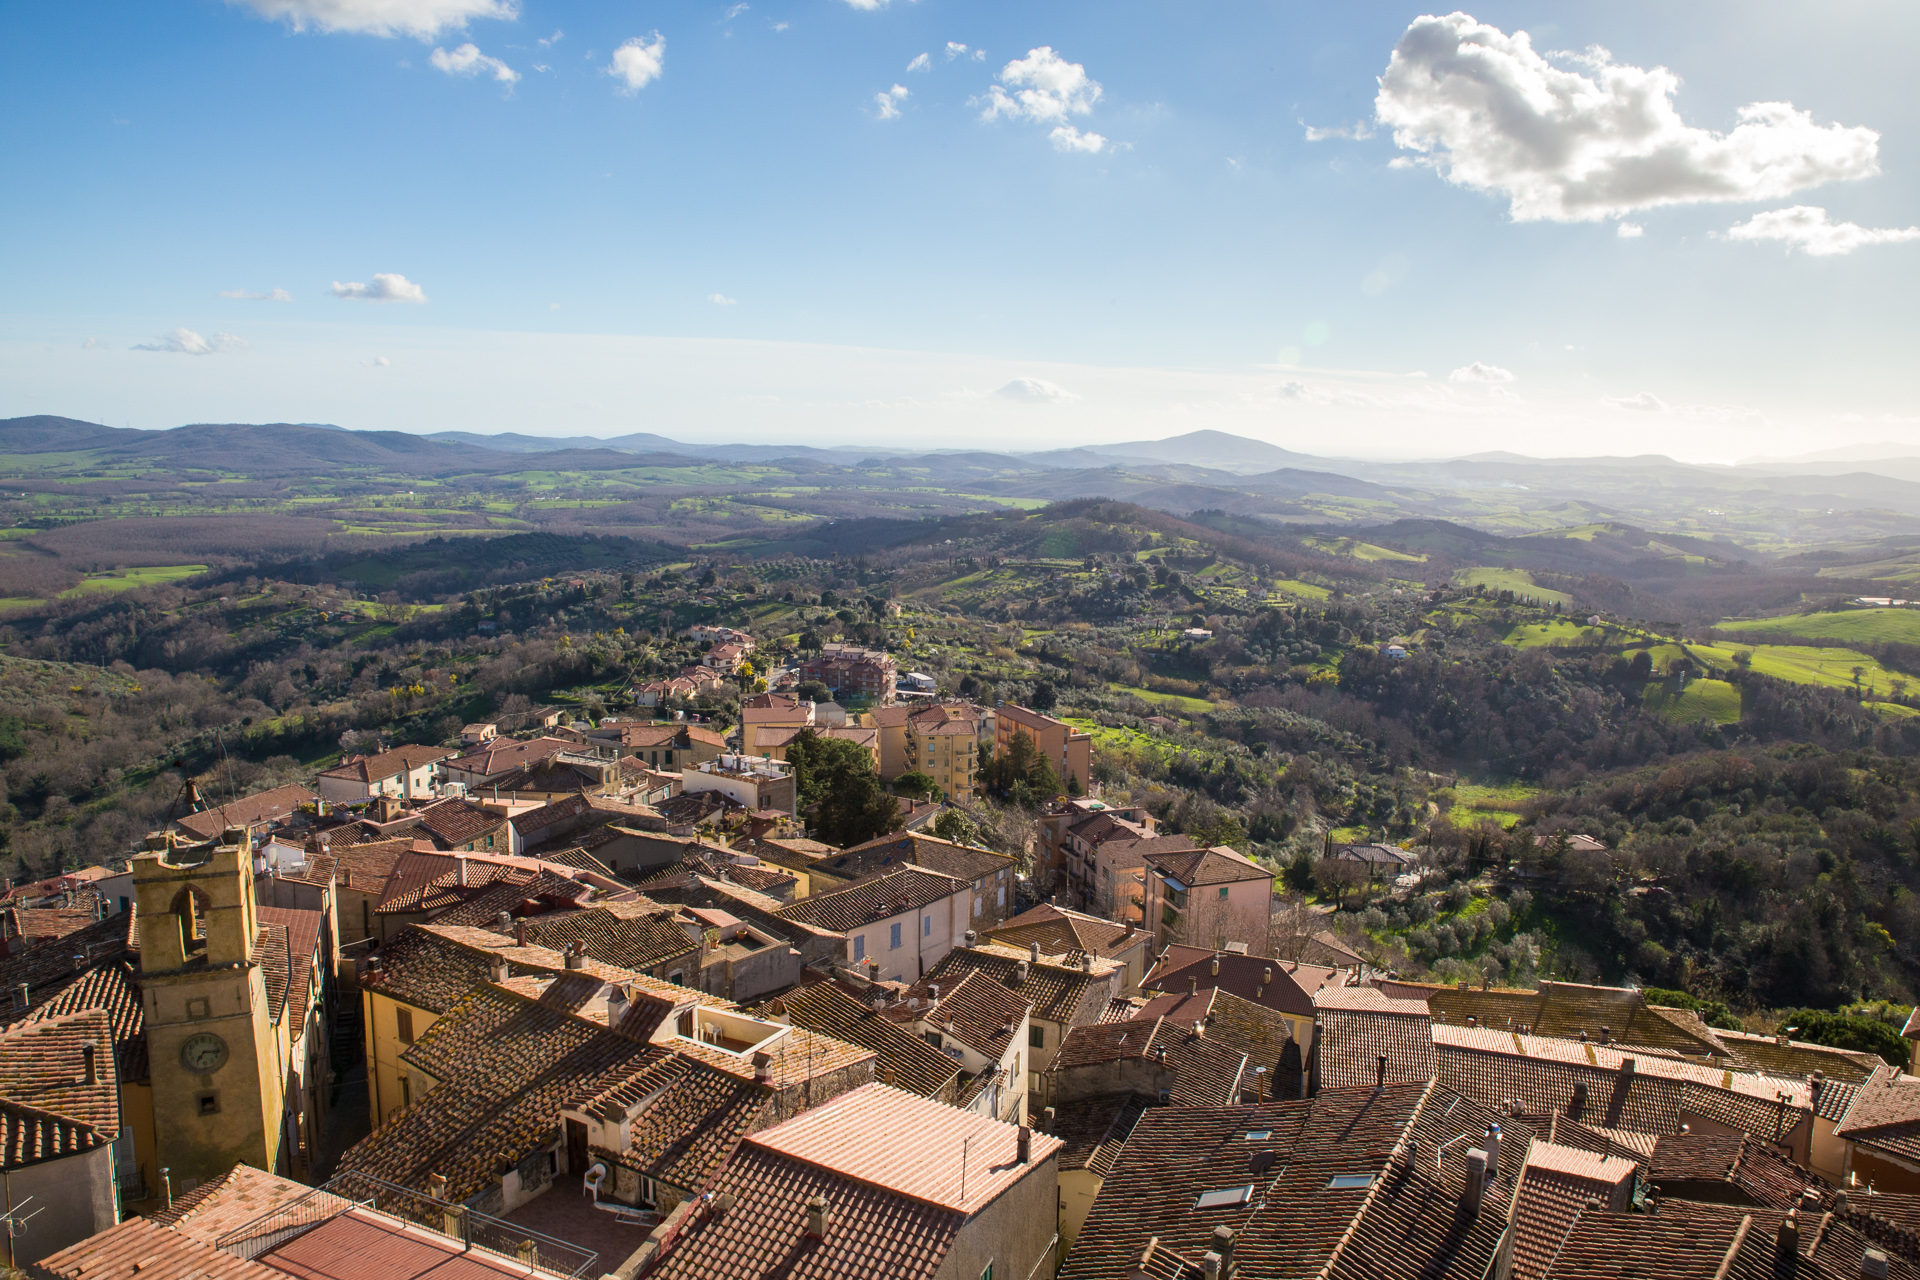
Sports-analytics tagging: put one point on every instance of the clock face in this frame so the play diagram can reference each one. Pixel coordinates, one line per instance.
(204, 1053)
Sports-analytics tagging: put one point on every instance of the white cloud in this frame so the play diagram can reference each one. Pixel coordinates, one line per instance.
(922, 62)
(1645, 402)
(547, 42)
(1046, 89)
(1630, 231)
(272, 295)
(1807, 228)
(1035, 391)
(185, 342)
(1359, 131)
(387, 286)
(90, 344)
(1485, 374)
(886, 104)
(1486, 111)
(867, 5)
(378, 362)
(734, 12)
(422, 18)
(1067, 138)
(957, 50)
(639, 62)
(721, 300)
(467, 60)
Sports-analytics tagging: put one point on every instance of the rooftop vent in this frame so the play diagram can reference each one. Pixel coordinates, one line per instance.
(1475, 1187)
(817, 1217)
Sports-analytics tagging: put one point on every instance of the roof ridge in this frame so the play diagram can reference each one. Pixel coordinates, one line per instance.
(1373, 1189)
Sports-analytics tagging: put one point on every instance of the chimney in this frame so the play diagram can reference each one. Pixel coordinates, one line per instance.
(519, 933)
(1606, 1035)
(1816, 1085)
(460, 871)
(1129, 932)
(1033, 953)
(1193, 986)
(1578, 1106)
(501, 969)
(933, 993)
(19, 995)
(616, 1004)
(1380, 1072)
(1786, 1246)
(1476, 1184)
(1492, 1145)
(1873, 1265)
(971, 938)
(817, 1217)
(437, 1185)
(1046, 1119)
(88, 1065)
(1020, 969)
(504, 920)
(763, 1068)
(1023, 1145)
(1216, 966)
(1223, 1245)
(1086, 962)
(1626, 1073)
(1266, 975)
(1212, 1267)
(886, 1075)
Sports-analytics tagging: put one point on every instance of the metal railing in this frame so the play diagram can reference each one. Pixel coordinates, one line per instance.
(473, 1229)
(274, 1228)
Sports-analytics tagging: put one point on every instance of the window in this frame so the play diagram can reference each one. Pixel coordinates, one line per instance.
(1223, 892)
(1350, 1182)
(1259, 1135)
(1036, 1036)
(926, 926)
(859, 947)
(1003, 895)
(207, 1104)
(987, 1274)
(403, 1021)
(406, 1091)
(1224, 1198)
(893, 936)
(976, 904)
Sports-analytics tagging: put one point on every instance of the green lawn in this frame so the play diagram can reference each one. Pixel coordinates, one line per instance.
(127, 579)
(1804, 664)
(1534, 635)
(1305, 590)
(1714, 700)
(1518, 581)
(1360, 550)
(1196, 705)
(1854, 626)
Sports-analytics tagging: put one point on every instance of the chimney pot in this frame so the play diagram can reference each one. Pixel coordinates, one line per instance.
(1193, 986)
(1033, 953)
(519, 933)
(972, 937)
(1212, 1267)
(1216, 966)
(1024, 1145)
(763, 1068)
(1223, 1245)
(1786, 1246)
(817, 1217)
(1492, 1145)
(1020, 970)
(1475, 1187)
(505, 920)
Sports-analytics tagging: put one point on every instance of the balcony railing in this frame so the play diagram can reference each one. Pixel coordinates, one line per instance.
(468, 1227)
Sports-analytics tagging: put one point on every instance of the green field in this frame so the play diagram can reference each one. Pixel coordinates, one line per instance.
(127, 579)
(1360, 550)
(1854, 626)
(1197, 705)
(1493, 803)
(1714, 700)
(1304, 590)
(1534, 635)
(1518, 581)
(1803, 664)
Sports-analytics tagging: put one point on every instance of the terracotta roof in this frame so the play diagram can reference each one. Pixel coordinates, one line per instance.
(367, 867)
(303, 929)
(1069, 995)
(915, 1065)
(983, 1014)
(1332, 1187)
(430, 882)
(1062, 932)
(1555, 1185)
(137, 1248)
(1203, 1073)
(690, 1119)
(1362, 998)
(503, 1066)
(1687, 1241)
(456, 822)
(1094, 1130)
(500, 756)
(387, 764)
(902, 848)
(906, 889)
(1277, 984)
(26, 926)
(1351, 1043)
(275, 958)
(111, 987)
(1570, 1009)
(1886, 1114)
(957, 1160)
(361, 1244)
(637, 941)
(1193, 867)
(266, 806)
(47, 1108)
(1637, 1147)
(1745, 1168)
(432, 966)
(1797, 1057)
(241, 1195)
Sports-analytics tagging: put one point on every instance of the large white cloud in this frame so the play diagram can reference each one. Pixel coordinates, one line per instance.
(639, 62)
(387, 286)
(1067, 138)
(422, 18)
(467, 60)
(185, 342)
(1482, 373)
(1035, 391)
(1486, 111)
(886, 104)
(1808, 228)
(1046, 89)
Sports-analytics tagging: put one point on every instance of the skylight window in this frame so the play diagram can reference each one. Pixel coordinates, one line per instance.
(1259, 1135)
(1350, 1182)
(1224, 1198)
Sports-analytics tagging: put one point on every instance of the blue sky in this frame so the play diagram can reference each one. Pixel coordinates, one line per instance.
(737, 228)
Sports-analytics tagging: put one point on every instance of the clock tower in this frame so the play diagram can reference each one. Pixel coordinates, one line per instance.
(214, 1052)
